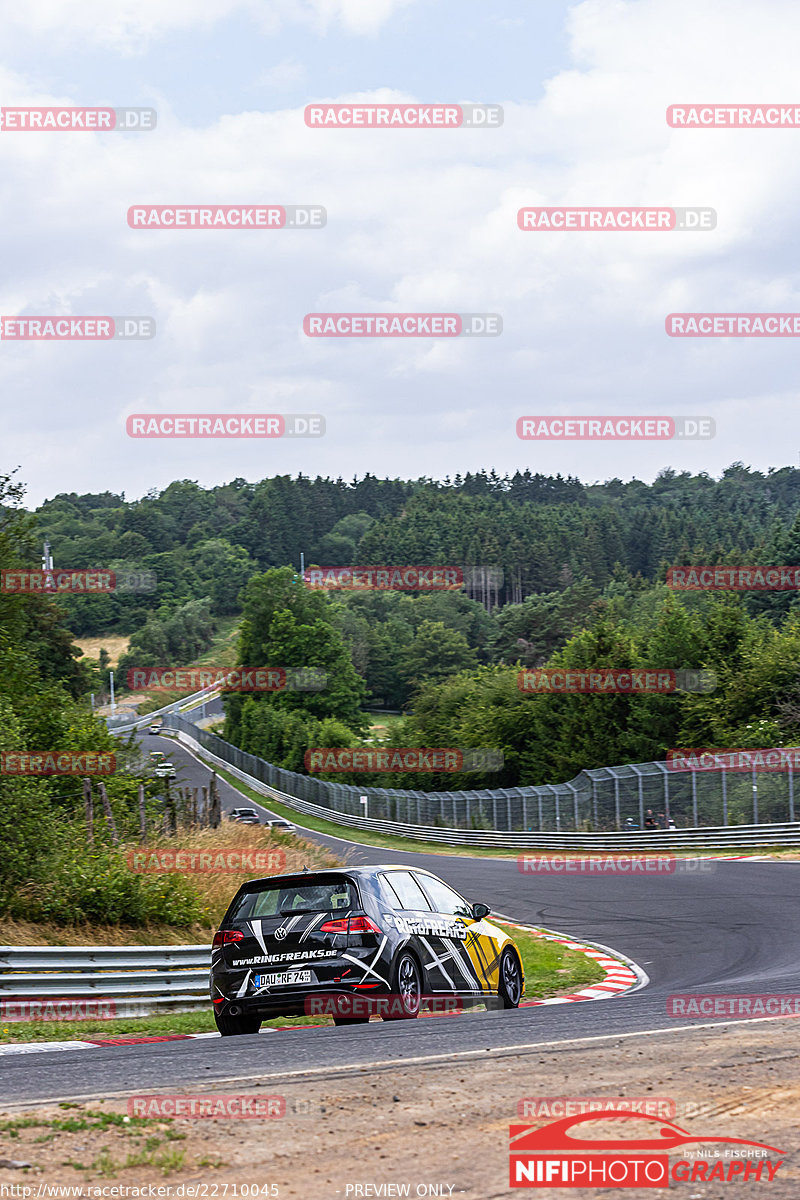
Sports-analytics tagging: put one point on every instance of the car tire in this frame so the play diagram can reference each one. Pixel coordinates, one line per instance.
(229, 1026)
(407, 984)
(509, 987)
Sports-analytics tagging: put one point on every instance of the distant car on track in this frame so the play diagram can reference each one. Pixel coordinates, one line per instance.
(164, 770)
(355, 932)
(154, 728)
(281, 826)
(245, 816)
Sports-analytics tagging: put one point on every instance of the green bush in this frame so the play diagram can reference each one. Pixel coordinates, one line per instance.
(81, 884)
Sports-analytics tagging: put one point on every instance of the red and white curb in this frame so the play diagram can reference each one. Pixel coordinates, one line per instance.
(621, 974)
(122, 1040)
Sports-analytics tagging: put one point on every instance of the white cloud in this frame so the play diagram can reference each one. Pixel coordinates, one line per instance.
(421, 221)
(128, 26)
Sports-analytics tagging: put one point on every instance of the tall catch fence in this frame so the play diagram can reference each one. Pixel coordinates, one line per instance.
(595, 801)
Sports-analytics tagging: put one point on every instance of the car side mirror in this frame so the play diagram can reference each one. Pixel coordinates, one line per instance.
(479, 911)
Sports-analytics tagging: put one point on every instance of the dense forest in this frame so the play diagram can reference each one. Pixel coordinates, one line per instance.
(583, 570)
(541, 531)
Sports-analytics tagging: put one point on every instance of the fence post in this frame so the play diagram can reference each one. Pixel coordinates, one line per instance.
(576, 813)
(88, 806)
(142, 814)
(666, 798)
(539, 798)
(594, 804)
(791, 793)
(724, 798)
(616, 802)
(214, 815)
(101, 787)
(755, 798)
(694, 798)
(170, 822)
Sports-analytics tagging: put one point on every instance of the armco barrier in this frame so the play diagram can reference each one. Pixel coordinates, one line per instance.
(125, 723)
(598, 800)
(139, 979)
(707, 838)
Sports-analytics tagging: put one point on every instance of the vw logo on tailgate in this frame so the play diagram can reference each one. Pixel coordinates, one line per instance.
(280, 933)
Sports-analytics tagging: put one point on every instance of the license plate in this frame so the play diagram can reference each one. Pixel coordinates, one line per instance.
(282, 979)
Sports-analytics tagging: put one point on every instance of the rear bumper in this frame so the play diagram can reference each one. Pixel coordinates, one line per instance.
(292, 1002)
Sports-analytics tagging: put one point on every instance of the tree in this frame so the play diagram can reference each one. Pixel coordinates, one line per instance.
(436, 653)
(223, 570)
(288, 625)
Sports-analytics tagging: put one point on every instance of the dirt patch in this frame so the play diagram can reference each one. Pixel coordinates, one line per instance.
(112, 642)
(443, 1124)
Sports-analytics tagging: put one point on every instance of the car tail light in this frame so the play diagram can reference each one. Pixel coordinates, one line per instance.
(362, 925)
(227, 935)
(349, 925)
(337, 926)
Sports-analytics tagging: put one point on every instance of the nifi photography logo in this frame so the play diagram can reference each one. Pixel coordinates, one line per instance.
(559, 1155)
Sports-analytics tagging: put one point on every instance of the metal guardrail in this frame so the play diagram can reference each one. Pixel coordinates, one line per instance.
(138, 979)
(598, 800)
(708, 838)
(123, 724)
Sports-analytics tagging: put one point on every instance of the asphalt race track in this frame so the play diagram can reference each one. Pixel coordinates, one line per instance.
(730, 927)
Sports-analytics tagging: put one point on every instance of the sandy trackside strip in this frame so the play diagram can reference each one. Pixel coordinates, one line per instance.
(447, 1124)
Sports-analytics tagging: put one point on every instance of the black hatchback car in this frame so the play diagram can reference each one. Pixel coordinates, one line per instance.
(288, 941)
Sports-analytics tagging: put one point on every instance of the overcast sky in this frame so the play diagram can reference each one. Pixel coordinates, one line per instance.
(418, 220)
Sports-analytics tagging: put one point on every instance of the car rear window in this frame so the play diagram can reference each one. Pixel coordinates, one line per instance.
(282, 898)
